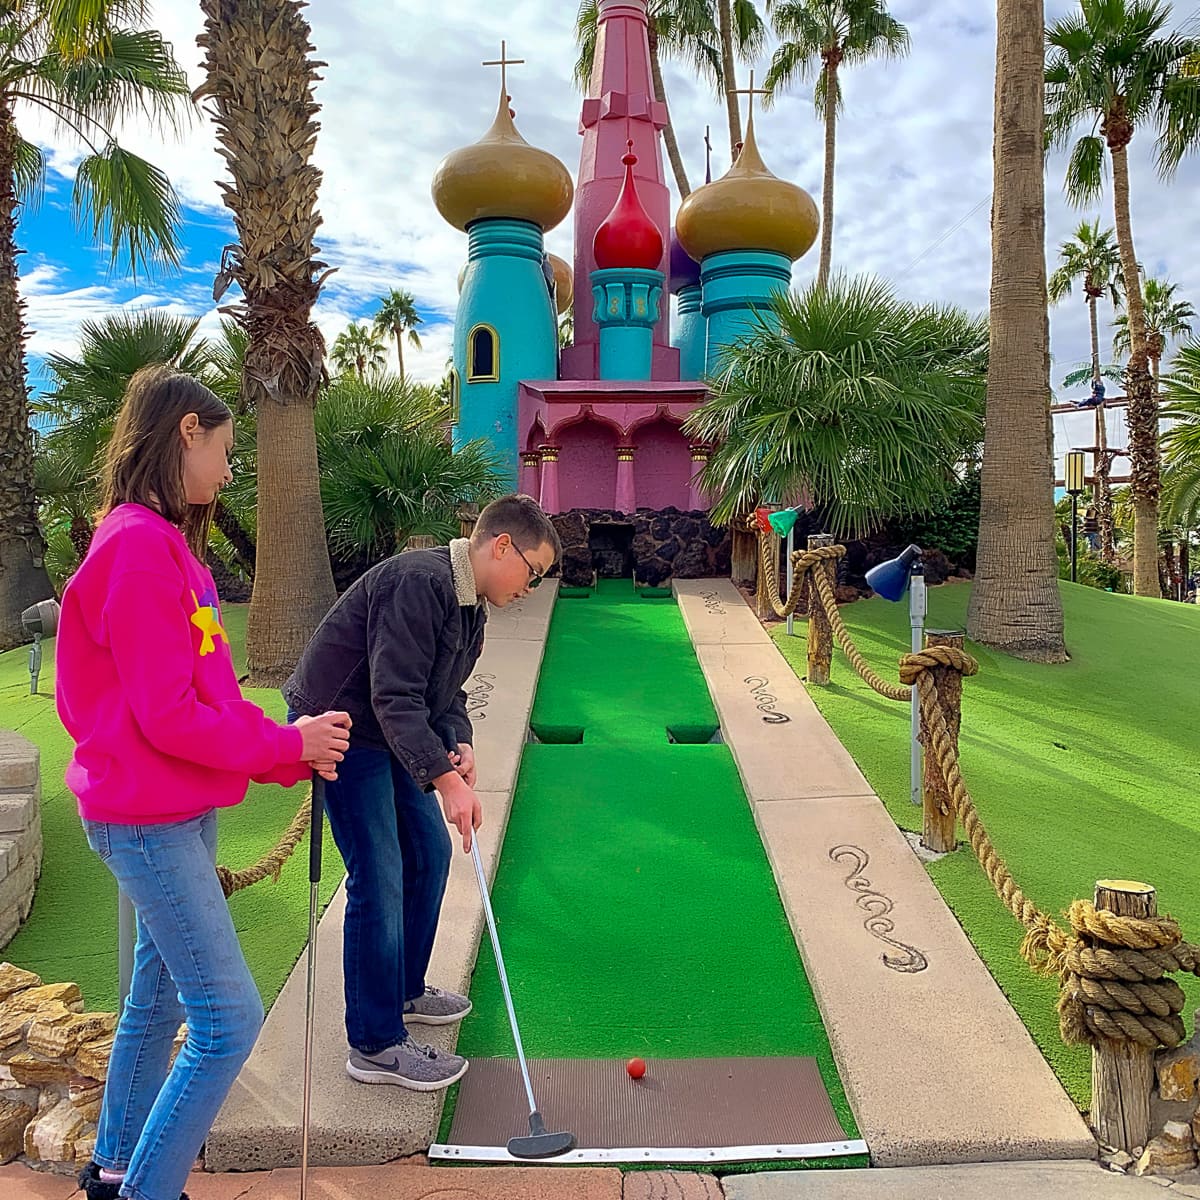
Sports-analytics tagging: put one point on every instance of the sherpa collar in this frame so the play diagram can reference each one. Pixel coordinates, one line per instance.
(464, 574)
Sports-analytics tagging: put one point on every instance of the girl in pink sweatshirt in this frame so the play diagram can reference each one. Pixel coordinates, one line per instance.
(147, 690)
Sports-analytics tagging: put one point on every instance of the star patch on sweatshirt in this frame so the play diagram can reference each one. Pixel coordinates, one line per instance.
(207, 620)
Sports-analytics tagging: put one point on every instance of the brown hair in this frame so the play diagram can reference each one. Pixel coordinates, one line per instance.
(144, 461)
(522, 518)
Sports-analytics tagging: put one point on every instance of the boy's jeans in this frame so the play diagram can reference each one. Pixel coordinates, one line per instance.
(393, 840)
(187, 951)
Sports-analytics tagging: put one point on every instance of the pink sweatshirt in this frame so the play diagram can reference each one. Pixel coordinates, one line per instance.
(146, 685)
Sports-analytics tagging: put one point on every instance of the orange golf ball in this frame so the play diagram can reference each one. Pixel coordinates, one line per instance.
(636, 1068)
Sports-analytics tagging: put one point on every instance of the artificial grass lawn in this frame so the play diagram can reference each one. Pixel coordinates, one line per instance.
(1080, 771)
(636, 908)
(71, 934)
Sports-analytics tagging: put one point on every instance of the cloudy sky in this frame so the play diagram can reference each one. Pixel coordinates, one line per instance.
(404, 85)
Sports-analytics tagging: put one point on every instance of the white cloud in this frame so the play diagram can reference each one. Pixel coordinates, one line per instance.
(403, 86)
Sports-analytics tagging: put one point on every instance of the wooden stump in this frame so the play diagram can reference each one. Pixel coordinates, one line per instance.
(1123, 1072)
(468, 514)
(743, 569)
(937, 824)
(820, 635)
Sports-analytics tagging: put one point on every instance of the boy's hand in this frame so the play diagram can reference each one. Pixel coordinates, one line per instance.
(325, 738)
(464, 762)
(460, 804)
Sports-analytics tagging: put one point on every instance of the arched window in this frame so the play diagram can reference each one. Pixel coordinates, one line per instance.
(483, 355)
(455, 397)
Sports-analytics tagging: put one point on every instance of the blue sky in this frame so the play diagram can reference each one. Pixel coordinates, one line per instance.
(404, 86)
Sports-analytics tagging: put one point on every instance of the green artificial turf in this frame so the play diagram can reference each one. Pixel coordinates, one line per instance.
(637, 911)
(71, 934)
(1081, 771)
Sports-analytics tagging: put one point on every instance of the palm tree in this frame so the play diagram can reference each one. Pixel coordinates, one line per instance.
(743, 36)
(87, 66)
(817, 38)
(1181, 440)
(260, 80)
(1015, 603)
(398, 315)
(1112, 66)
(868, 403)
(1092, 257)
(1166, 318)
(358, 349)
(387, 472)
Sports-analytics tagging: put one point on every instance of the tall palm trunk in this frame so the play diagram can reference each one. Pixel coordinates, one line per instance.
(1102, 460)
(669, 139)
(1142, 410)
(729, 71)
(239, 540)
(398, 330)
(1015, 603)
(261, 78)
(832, 58)
(23, 578)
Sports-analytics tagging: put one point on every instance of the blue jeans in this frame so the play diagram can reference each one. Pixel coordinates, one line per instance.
(187, 965)
(393, 840)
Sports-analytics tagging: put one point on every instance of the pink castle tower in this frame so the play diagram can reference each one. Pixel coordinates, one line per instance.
(619, 108)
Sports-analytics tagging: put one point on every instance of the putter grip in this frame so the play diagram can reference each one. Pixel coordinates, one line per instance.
(316, 829)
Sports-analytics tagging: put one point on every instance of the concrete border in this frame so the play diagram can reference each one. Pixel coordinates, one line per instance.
(937, 1066)
(258, 1128)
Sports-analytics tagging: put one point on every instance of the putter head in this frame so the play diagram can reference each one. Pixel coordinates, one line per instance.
(538, 1143)
(541, 1145)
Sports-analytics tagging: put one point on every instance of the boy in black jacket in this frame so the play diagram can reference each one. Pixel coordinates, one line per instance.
(394, 652)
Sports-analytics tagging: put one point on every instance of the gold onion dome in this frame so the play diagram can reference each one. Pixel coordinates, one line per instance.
(502, 175)
(564, 283)
(748, 208)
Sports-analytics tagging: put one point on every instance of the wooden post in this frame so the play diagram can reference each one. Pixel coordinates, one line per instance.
(743, 569)
(937, 826)
(1123, 1072)
(468, 514)
(820, 636)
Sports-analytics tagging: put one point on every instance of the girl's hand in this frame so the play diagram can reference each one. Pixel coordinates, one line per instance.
(326, 770)
(326, 739)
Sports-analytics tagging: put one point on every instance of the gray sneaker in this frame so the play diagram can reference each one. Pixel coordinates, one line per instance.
(436, 1007)
(410, 1065)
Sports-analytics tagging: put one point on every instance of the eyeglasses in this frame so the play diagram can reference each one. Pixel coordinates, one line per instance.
(535, 576)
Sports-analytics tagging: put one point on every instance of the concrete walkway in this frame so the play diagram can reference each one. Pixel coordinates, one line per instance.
(259, 1126)
(413, 1179)
(937, 1066)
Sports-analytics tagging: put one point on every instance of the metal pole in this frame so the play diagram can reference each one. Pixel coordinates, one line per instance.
(917, 608)
(1074, 534)
(126, 937)
(791, 577)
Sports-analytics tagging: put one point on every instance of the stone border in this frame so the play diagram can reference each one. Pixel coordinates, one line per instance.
(20, 831)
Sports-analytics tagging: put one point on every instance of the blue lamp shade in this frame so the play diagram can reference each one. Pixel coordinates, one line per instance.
(890, 579)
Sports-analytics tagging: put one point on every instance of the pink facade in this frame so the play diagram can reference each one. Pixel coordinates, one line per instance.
(609, 444)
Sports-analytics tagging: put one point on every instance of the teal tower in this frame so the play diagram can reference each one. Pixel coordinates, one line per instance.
(627, 285)
(505, 194)
(689, 330)
(745, 230)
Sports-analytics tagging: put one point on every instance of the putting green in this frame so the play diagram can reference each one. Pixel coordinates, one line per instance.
(71, 934)
(1080, 771)
(637, 911)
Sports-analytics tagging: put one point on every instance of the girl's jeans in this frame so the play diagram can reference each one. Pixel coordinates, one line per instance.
(393, 840)
(187, 966)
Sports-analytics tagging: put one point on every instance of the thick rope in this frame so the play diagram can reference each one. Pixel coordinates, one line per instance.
(1112, 968)
(809, 563)
(272, 862)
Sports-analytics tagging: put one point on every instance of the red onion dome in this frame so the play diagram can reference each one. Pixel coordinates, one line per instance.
(628, 237)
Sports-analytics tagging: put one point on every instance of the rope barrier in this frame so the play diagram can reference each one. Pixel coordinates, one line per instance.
(271, 863)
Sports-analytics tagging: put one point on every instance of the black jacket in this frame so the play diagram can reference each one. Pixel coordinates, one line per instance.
(394, 652)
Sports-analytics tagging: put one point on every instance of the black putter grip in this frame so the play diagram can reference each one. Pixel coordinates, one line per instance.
(316, 829)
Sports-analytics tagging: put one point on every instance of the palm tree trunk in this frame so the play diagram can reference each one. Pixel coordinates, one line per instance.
(729, 71)
(23, 578)
(1142, 410)
(669, 138)
(827, 183)
(399, 332)
(241, 543)
(1101, 460)
(267, 132)
(1095, 339)
(1015, 603)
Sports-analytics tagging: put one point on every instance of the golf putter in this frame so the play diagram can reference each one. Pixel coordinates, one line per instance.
(315, 837)
(538, 1143)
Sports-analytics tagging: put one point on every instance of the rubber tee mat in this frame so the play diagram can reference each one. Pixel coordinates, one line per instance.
(681, 1110)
